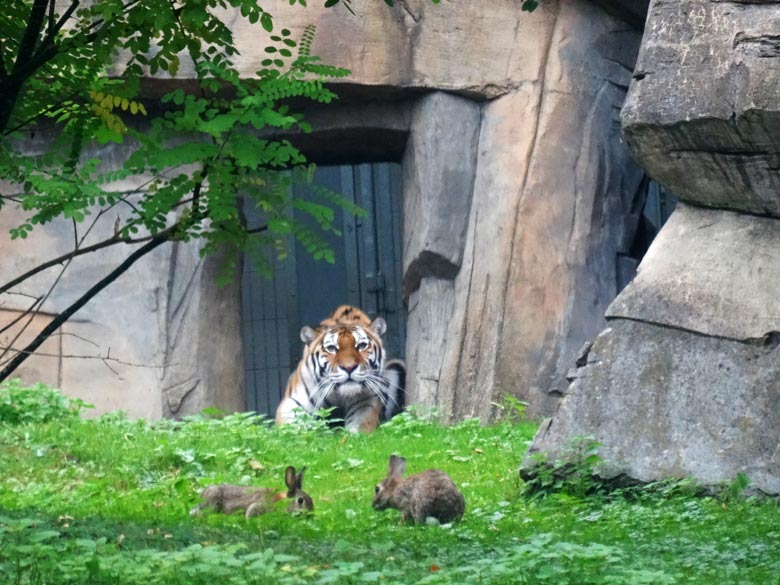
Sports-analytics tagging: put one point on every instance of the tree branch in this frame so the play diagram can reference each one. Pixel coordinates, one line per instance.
(50, 26)
(31, 34)
(63, 19)
(21, 315)
(73, 254)
(33, 312)
(104, 358)
(57, 322)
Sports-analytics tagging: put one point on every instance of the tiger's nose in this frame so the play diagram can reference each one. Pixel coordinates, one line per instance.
(349, 369)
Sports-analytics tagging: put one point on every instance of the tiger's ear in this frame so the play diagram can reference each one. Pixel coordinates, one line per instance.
(379, 326)
(307, 334)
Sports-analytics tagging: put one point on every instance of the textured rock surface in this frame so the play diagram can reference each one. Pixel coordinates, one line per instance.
(555, 199)
(439, 167)
(126, 349)
(429, 319)
(107, 354)
(702, 116)
(203, 351)
(415, 44)
(710, 272)
(668, 403)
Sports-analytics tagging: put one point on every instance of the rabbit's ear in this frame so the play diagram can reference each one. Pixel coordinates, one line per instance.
(289, 479)
(299, 479)
(397, 466)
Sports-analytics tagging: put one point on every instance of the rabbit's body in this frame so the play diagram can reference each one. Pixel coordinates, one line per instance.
(428, 494)
(228, 498)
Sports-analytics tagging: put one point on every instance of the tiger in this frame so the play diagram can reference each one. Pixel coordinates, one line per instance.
(343, 367)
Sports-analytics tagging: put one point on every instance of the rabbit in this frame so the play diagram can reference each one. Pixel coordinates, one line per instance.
(431, 493)
(228, 498)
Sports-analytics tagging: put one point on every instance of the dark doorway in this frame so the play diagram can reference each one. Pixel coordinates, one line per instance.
(659, 205)
(303, 291)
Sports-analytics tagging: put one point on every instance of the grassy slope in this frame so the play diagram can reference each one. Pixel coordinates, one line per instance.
(106, 501)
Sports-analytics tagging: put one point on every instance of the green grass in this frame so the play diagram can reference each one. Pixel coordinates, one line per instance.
(106, 501)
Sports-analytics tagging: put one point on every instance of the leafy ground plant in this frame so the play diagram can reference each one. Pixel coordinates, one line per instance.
(106, 500)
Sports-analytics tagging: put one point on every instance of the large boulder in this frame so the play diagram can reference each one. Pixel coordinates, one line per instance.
(667, 403)
(686, 379)
(703, 114)
(711, 272)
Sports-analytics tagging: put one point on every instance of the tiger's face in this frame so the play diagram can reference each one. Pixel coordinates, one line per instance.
(348, 358)
(343, 370)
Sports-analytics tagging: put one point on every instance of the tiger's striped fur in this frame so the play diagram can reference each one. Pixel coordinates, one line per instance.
(343, 367)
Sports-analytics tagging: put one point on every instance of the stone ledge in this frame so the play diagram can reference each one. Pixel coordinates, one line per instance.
(703, 114)
(710, 272)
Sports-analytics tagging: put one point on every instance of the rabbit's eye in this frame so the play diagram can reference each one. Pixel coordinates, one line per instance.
(300, 500)
(376, 490)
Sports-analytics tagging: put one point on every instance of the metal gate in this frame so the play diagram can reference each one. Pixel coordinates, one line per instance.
(302, 291)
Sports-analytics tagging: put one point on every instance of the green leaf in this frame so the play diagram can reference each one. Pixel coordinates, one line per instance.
(529, 5)
(43, 535)
(267, 22)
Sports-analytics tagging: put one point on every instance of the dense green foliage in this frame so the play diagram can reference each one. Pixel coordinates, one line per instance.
(106, 500)
(78, 78)
(202, 147)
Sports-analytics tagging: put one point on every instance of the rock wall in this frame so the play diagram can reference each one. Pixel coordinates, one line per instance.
(137, 345)
(518, 197)
(686, 379)
(106, 354)
(555, 198)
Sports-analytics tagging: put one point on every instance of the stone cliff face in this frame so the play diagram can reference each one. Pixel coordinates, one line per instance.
(518, 196)
(555, 198)
(686, 379)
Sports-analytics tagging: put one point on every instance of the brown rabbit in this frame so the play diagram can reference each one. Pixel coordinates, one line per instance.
(431, 493)
(227, 498)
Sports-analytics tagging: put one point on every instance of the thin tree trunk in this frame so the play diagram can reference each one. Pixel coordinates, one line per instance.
(13, 82)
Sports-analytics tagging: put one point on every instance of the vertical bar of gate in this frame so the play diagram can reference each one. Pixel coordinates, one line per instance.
(248, 335)
(350, 228)
(390, 237)
(367, 241)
